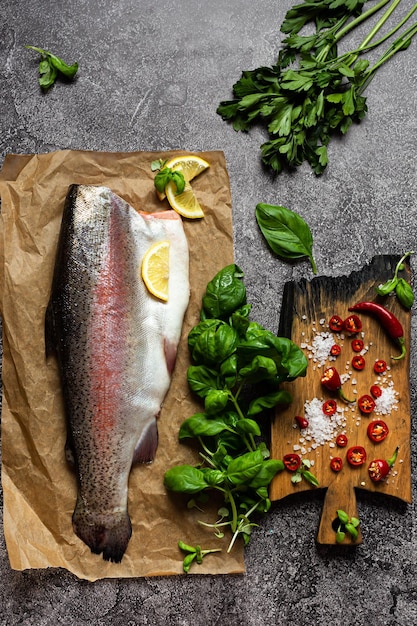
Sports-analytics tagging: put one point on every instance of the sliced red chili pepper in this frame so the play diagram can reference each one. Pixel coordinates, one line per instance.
(301, 421)
(335, 350)
(292, 462)
(366, 404)
(376, 391)
(356, 456)
(379, 468)
(380, 366)
(329, 407)
(336, 463)
(357, 345)
(377, 431)
(336, 323)
(358, 362)
(341, 440)
(352, 324)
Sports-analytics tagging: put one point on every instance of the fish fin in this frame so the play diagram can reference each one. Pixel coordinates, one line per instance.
(148, 442)
(170, 350)
(69, 453)
(109, 537)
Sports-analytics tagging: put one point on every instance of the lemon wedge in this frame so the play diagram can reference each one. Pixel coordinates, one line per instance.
(155, 270)
(189, 165)
(185, 203)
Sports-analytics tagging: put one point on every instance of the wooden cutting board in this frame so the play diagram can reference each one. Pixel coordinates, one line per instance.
(306, 309)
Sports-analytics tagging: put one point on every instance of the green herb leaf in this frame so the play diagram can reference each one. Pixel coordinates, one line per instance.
(225, 293)
(287, 234)
(50, 66)
(200, 425)
(244, 468)
(185, 479)
(343, 516)
(258, 405)
(404, 293)
(387, 288)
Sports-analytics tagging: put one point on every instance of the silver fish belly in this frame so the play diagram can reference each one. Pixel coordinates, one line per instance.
(116, 348)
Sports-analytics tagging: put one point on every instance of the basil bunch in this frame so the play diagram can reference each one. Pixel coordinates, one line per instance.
(237, 369)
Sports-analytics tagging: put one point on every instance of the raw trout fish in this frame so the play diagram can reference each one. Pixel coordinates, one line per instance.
(116, 348)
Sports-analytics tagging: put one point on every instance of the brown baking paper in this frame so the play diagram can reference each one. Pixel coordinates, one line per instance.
(39, 488)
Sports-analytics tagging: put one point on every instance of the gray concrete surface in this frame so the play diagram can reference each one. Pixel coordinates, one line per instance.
(151, 76)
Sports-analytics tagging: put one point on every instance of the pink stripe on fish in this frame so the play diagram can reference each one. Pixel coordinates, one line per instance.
(109, 327)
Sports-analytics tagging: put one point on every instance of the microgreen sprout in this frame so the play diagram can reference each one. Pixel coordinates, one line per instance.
(193, 553)
(345, 524)
(304, 472)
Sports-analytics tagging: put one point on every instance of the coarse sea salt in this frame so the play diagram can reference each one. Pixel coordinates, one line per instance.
(320, 347)
(322, 427)
(387, 401)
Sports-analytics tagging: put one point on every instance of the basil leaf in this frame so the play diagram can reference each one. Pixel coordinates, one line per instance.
(185, 479)
(269, 401)
(248, 427)
(388, 287)
(215, 401)
(199, 425)
(287, 234)
(215, 344)
(201, 379)
(266, 473)
(225, 293)
(260, 368)
(244, 468)
(404, 293)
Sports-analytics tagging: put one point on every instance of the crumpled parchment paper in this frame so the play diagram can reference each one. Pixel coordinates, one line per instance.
(39, 488)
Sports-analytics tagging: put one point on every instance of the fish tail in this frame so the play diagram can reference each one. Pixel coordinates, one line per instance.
(108, 536)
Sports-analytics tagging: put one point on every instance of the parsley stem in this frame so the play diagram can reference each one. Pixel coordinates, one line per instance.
(399, 44)
(361, 18)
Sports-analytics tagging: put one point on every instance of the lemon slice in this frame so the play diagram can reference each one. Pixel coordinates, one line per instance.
(155, 269)
(189, 165)
(185, 203)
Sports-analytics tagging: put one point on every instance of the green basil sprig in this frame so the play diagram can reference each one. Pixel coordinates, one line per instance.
(286, 233)
(400, 286)
(50, 66)
(237, 370)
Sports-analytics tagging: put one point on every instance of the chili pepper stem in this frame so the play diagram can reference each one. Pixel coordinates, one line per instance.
(403, 350)
(392, 460)
(344, 398)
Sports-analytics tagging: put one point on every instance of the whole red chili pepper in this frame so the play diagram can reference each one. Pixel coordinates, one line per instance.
(387, 320)
(379, 468)
(331, 381)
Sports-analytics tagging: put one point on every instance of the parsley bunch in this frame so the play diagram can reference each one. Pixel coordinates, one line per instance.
(312, 92)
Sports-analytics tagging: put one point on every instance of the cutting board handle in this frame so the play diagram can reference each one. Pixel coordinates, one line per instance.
(337, 496)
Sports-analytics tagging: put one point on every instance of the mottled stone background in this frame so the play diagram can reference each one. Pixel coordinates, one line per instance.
(151, 76)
